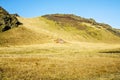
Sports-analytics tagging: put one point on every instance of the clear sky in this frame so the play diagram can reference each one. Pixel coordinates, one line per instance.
(104, 11)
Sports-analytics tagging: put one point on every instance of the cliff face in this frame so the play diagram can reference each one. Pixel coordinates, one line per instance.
(7, 21)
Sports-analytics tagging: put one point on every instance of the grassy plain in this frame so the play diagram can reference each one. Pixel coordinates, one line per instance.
(55, 61)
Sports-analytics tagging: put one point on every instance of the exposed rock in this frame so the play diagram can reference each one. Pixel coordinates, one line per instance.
(59, 40)
(16, 15)
(7, 21)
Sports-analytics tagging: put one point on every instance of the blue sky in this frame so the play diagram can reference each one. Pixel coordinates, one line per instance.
(104, 11)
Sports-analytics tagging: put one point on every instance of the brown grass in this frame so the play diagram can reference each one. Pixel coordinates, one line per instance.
(30, 52)
(70, 61)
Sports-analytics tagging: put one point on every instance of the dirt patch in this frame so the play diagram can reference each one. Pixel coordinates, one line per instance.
(59, 40)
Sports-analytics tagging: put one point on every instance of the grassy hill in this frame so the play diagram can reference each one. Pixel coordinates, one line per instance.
(66, 27)
(86, 29)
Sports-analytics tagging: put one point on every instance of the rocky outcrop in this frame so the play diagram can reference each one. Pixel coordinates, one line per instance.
(7, 21)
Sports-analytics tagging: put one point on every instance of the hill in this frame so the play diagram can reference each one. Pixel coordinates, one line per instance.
(71, 30)
(70, 20)
(56, 28)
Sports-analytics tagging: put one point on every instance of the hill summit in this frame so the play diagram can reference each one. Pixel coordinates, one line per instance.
(7, 21)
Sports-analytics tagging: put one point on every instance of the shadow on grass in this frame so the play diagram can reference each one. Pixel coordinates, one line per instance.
(110, 51)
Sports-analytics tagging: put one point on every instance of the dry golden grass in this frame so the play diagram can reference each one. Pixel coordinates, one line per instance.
(30, 52)
(50, 28)
(40, 30)
(70, 61)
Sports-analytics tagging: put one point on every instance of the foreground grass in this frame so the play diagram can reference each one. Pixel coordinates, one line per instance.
(59, 62)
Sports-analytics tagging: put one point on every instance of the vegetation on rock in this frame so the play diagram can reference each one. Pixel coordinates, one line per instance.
(7, 21)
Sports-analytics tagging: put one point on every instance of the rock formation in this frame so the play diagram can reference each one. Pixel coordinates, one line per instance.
(7, 21)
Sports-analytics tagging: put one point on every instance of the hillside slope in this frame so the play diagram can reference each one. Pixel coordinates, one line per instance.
(22, 36)
(72, 28)
(68, 28)
(89, 27)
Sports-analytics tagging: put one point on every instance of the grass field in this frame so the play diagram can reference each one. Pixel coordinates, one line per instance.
(55, 61)
(43, 49)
